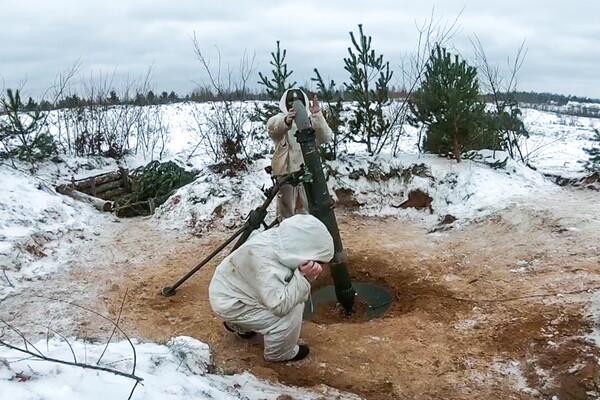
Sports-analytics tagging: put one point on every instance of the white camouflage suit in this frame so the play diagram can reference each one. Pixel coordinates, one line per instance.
(288, 158)
(259, 288)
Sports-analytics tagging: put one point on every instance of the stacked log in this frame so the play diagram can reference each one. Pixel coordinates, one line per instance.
(109, 186)
(99, 204)
(130, 195)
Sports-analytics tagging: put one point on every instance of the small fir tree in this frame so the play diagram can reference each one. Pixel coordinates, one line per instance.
(593, 163)
(275, 84)
(23, 134)
(369, 88)
(448, 104)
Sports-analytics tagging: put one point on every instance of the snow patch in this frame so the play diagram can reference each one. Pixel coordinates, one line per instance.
(378, 184)
(213, 198)
(556, 142)
(594, 314)
(511, 370)
(35, 223)
(179, 370)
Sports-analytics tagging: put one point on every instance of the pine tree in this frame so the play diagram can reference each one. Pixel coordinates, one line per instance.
(113, 98)
(593, 163)
(368, 87)
(328, 93)
(276, 84)
(23, 133)
(140, 99)
(31, 105)
(448, 104)
(151, 97)
(45, 105)
(164, 98)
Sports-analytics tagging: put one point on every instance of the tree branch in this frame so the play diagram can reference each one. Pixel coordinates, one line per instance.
(114, 327)
(74, 364)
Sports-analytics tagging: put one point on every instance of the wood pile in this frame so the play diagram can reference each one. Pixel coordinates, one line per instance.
(129, 194)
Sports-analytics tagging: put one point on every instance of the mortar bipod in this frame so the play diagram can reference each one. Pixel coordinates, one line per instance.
(255, 219)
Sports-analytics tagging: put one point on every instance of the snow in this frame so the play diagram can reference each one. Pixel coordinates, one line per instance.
(178, 124)
(554, 147)
(38, 228)
(575, 104)
(198, 204)
(34, 224)
(557, 141)
(594, 316)
(512, 370)
(467, 191)
(508, 371)
(179, 369)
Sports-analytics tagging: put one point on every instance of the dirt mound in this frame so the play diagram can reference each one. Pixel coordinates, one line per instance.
(419, 200)
(347, 198)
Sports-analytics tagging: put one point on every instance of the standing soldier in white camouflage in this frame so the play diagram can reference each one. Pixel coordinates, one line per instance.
(288, 158)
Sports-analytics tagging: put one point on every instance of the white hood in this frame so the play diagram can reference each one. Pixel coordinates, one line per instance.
(282, 106)
(303, 238)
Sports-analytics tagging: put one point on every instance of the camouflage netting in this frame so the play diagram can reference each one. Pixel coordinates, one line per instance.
(151, 185)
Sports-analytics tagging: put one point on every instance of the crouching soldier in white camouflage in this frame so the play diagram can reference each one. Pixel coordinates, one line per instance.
(262, 286)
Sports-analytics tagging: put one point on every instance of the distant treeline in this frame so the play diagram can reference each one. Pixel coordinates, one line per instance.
(139, 99)
(200, 95)
(542, 101)
(549, 98)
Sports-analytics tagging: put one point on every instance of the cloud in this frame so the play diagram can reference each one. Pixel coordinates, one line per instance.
(42, 38)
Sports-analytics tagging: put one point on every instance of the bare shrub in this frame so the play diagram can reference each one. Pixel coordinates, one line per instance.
(224, 129)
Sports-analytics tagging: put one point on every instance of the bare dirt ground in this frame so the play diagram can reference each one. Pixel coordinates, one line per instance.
(497, 309)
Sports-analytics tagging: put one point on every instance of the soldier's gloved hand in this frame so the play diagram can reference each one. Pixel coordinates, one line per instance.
(311, 270)
(289, 117)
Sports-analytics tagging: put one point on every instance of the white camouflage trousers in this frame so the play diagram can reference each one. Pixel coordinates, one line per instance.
(291, 200)
(280, 334)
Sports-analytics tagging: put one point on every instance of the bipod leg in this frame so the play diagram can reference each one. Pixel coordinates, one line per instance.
(254, 221)
(170, 290)
(256, 217)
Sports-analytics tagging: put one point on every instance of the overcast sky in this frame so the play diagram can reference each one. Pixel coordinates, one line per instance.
(39, 39)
